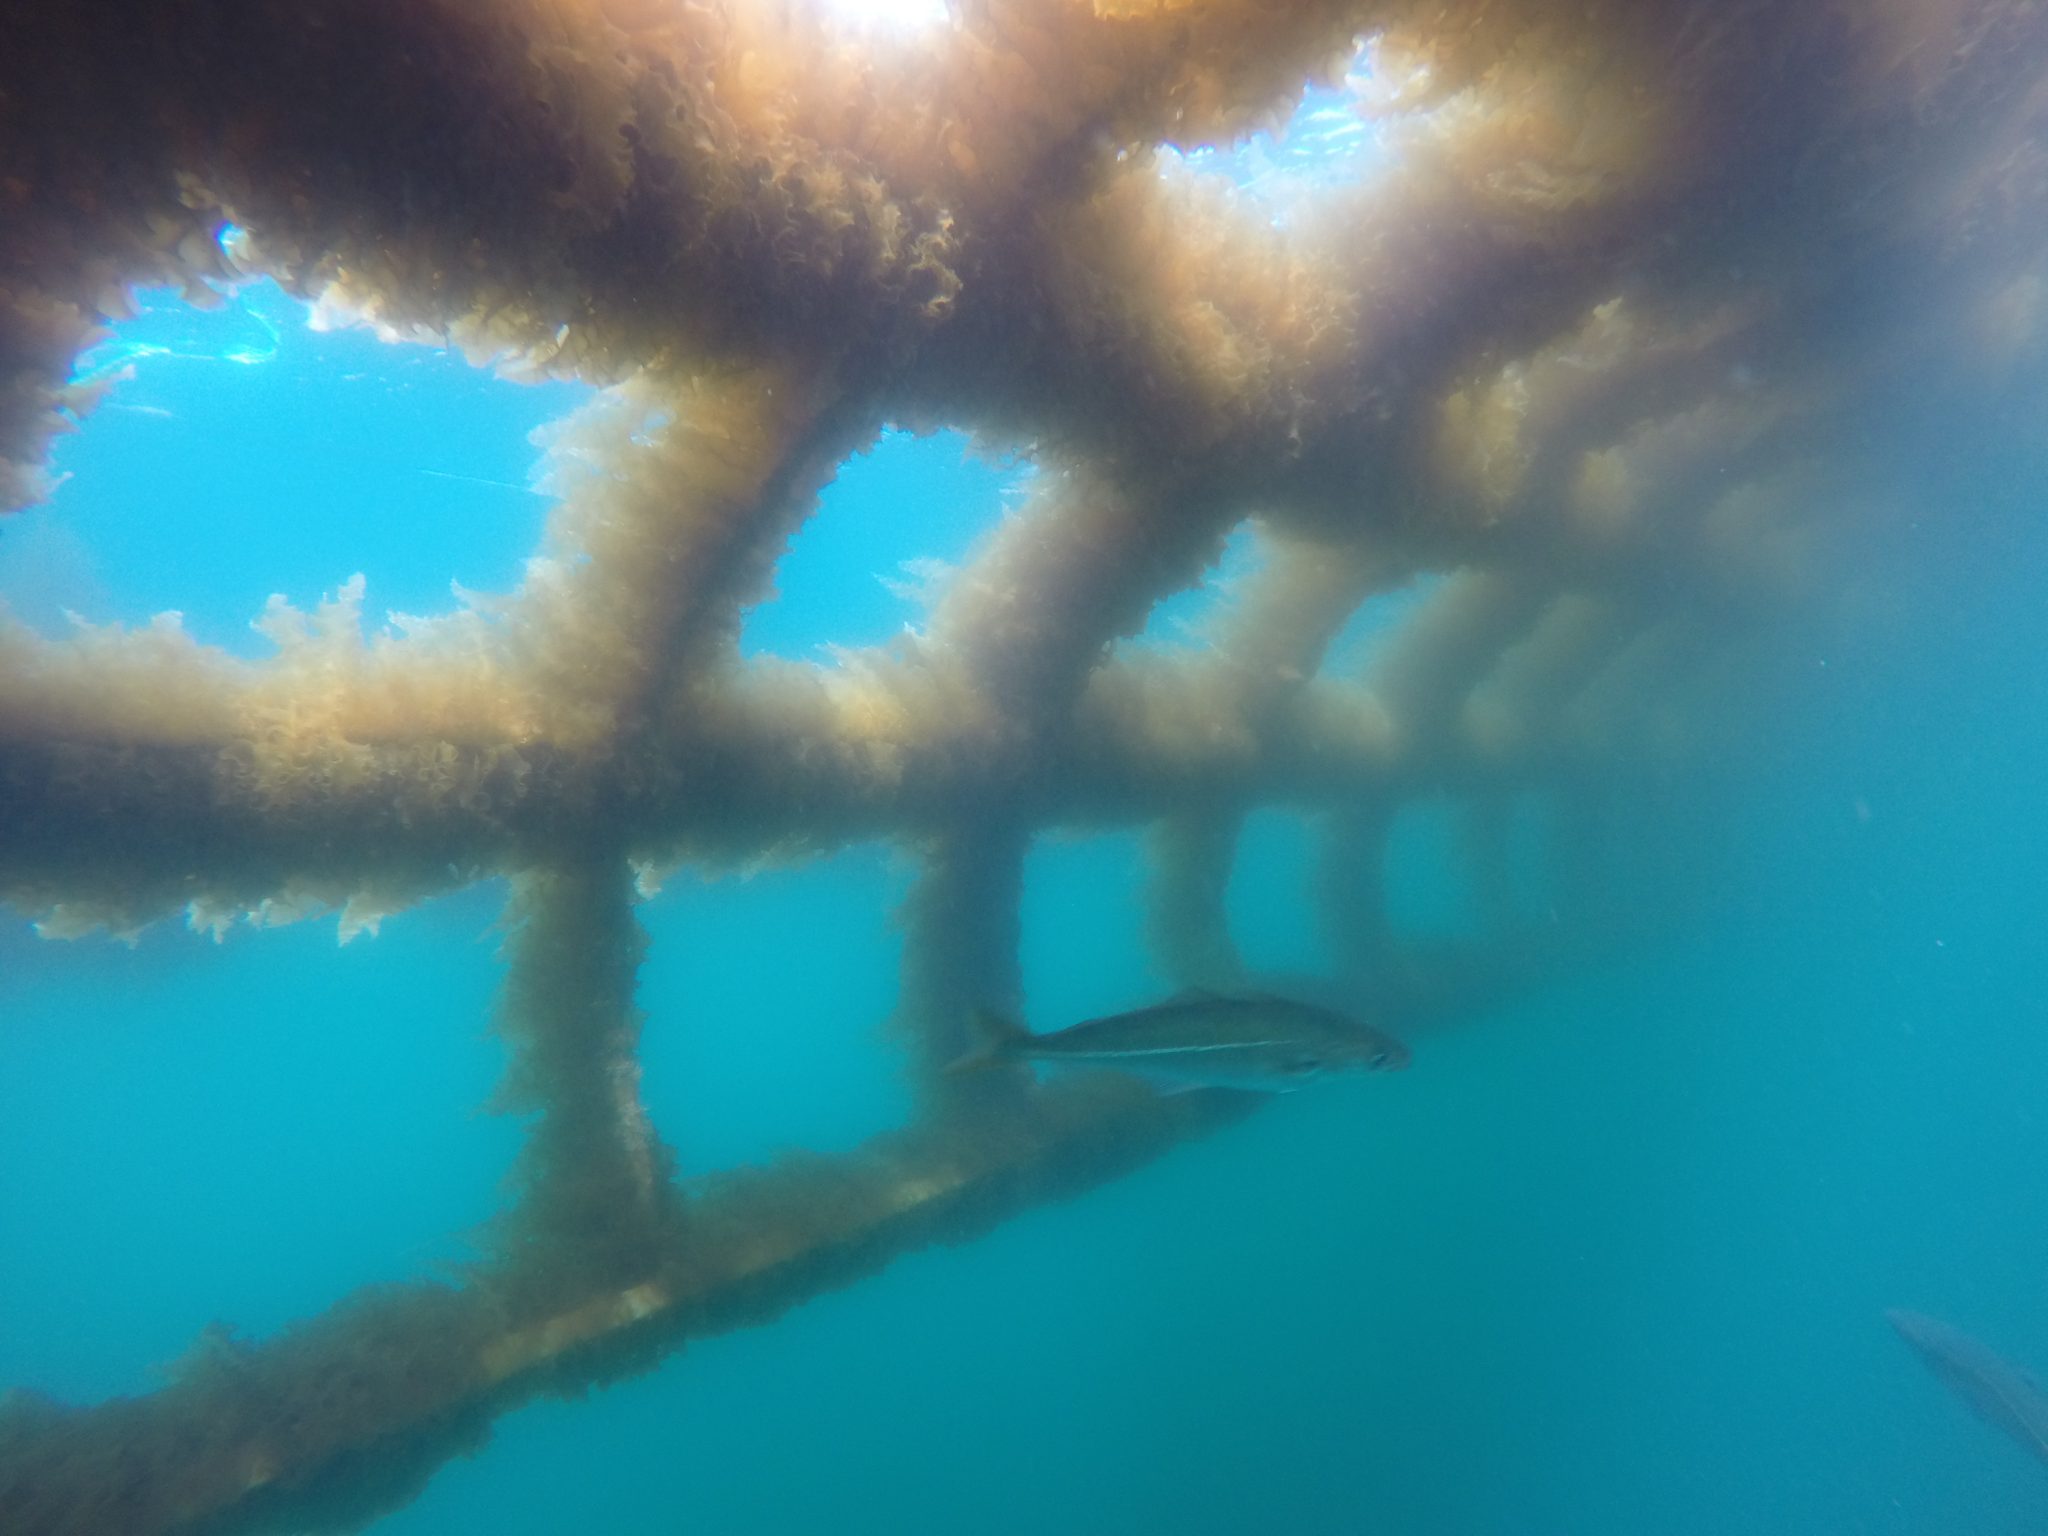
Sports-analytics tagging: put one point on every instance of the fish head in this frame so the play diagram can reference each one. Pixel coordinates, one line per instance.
(1377, 1053)
(1357, 1049)
(1911, 1325)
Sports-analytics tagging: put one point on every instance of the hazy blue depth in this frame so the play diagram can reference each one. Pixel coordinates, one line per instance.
(1611, 1261)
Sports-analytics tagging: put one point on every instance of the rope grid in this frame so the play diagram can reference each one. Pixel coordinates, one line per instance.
(1585, 353)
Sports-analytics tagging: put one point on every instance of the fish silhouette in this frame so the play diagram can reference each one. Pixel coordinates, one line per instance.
(1998, 1390)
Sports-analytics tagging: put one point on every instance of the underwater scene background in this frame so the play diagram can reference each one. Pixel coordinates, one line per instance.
(1613, 1254)
(1614, 1258)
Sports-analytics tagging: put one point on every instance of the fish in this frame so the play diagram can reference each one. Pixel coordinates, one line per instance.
(2000, 1392)
(1199, 1039)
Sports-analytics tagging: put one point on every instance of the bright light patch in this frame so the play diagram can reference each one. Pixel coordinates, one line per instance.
(1326, 141)
(1374, 622)
(1186, 618)
(235, 451)
(890, 530)
(890, 13)
(244, 330)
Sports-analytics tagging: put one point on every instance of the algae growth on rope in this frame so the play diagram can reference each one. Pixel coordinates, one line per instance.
(1569, 373)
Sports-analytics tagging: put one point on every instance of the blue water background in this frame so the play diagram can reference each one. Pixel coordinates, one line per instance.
(1610, 1259)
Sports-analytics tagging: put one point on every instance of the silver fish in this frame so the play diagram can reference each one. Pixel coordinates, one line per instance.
(2000, 1391)
(1253, 1040)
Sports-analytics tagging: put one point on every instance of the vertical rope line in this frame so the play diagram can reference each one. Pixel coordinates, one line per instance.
(596, 1206)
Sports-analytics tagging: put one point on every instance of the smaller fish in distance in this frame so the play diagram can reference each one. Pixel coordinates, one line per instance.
(1999, 1391)
(1254, 1040)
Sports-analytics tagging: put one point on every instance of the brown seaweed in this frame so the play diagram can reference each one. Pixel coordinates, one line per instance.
(1607, 334)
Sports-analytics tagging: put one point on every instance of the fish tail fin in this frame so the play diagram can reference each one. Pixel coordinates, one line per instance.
(993, 1041)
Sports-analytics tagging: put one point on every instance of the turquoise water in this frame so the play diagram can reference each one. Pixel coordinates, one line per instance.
(1611, 1259)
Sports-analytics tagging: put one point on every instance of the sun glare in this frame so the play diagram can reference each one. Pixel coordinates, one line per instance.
(890, 13)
